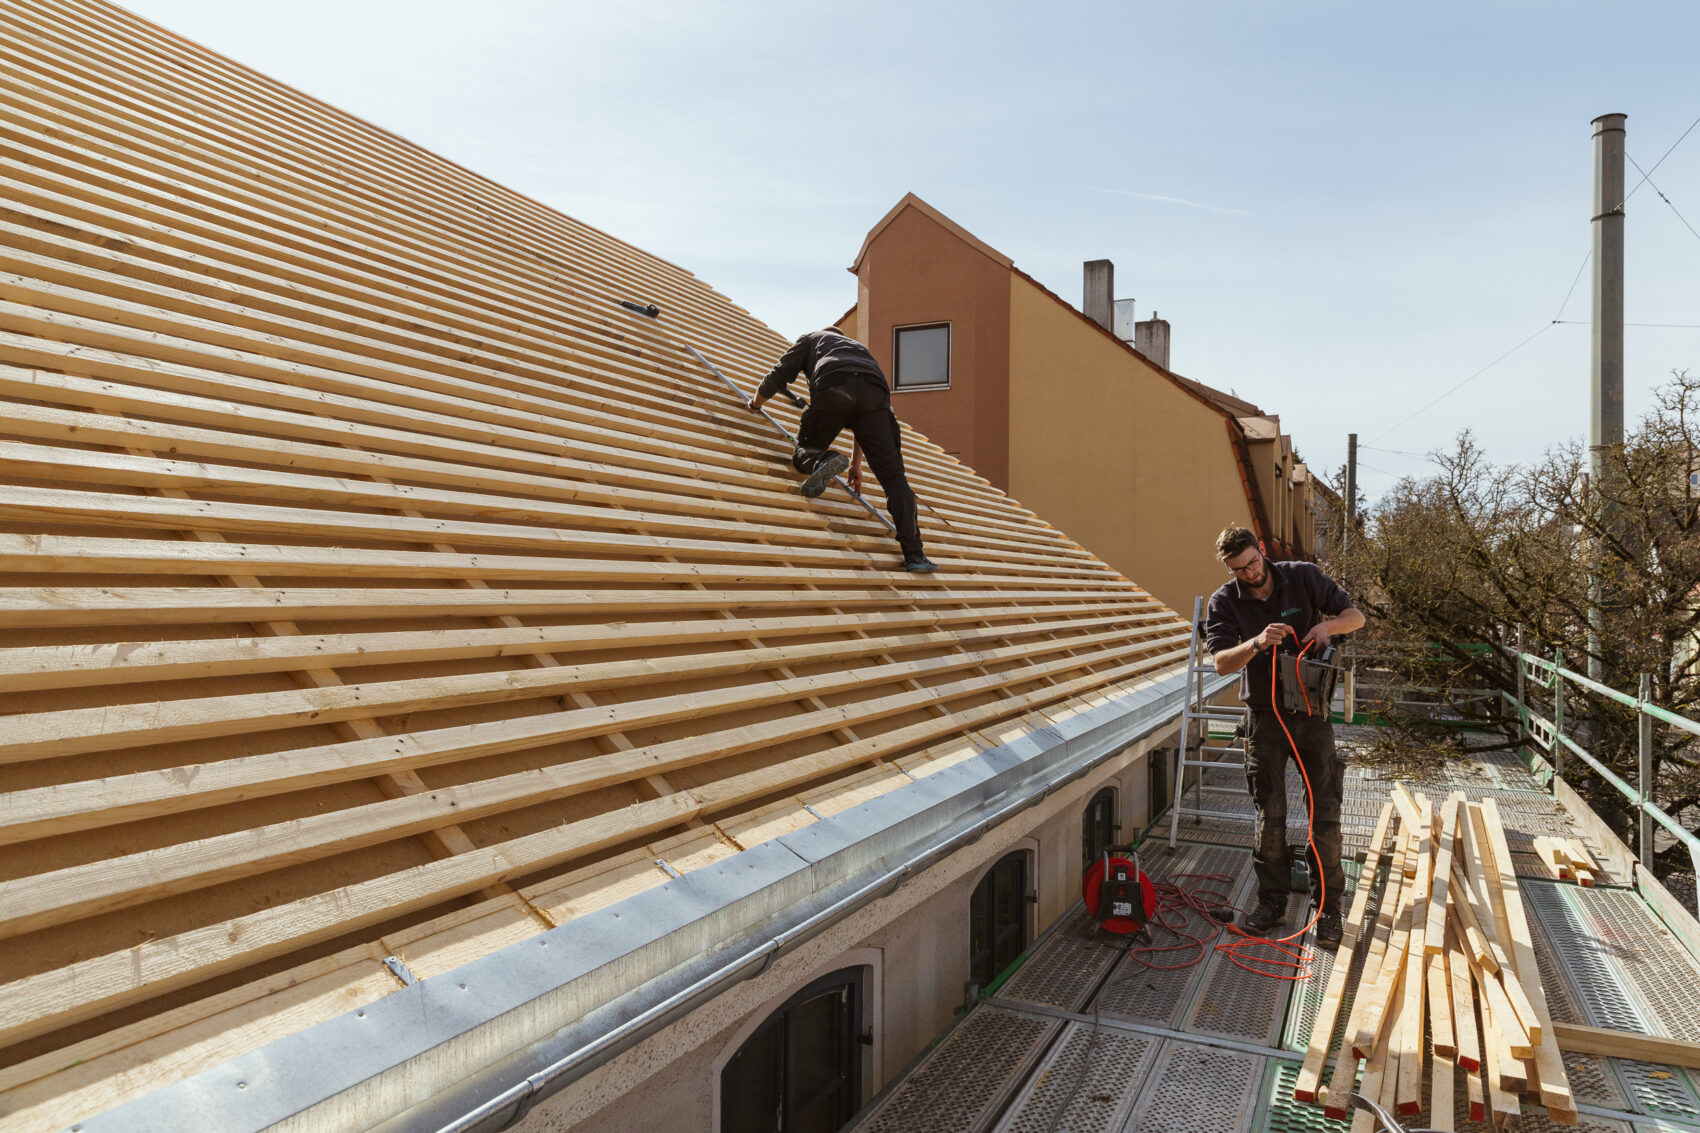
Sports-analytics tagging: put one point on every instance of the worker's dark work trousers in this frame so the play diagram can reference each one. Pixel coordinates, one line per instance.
(1267, 757)
(863, 405)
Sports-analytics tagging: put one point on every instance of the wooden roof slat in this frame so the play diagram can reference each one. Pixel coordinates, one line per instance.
(24, 668)
(56, 998)
(141, 605)
(261, 932)
(83, 805)
(78, 731)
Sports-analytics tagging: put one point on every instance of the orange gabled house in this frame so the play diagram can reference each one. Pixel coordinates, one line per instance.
(1141, 466)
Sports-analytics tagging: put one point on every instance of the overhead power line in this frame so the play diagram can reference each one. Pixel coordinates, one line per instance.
(1464, 383)
(1573, 283)
(1648, 174)
(1647, 177)
(1668, 326)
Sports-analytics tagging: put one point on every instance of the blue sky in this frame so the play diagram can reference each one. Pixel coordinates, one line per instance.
(1345, 209)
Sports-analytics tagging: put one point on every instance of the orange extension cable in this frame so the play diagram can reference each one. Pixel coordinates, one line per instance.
(1292, 963)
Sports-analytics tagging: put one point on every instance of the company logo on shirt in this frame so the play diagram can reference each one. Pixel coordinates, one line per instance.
(1294, 610)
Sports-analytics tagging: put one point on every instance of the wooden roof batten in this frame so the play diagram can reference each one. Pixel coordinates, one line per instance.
(377, 586)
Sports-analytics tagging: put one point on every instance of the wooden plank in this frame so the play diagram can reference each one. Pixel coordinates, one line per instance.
(1322, 1029)
(1556, 1094)
(25, 606)
(33, 813)
(1554, 858)
(79, 731)
(1477, 1095)
(24, 668)
(1345, 1064)
(1502, 1104)
(1378, 999)
(1408, 813)
(1469, 930)
(1465, 1031)
(103, 1072)
(1439, 987)
(1443, 1086)
(1625, 1044)
(1337, 1103)
(81, 990)
(1435, 931)
(1408, 1033)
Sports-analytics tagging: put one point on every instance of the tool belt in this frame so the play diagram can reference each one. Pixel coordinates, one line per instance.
(1305, 687)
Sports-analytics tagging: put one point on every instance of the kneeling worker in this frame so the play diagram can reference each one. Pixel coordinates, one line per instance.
(1263, 605)
(847, 388)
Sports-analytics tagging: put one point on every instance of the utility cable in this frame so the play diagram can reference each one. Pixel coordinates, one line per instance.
(1462, 384)
(1584, 323)
(1585, 260)
(1648, 178)
(1645, 176)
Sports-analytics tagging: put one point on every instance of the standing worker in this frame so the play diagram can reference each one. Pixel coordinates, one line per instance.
(847, 388)
(1261, 606)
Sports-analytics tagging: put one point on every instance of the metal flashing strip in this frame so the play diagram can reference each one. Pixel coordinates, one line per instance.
(475, 1048)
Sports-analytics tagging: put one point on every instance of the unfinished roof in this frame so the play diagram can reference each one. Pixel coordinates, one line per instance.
(378, 586)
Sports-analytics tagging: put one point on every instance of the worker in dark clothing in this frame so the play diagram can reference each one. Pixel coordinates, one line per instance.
(847, 389)
(1264, 605)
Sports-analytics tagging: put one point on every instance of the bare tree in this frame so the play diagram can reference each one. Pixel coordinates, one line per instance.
(1449, 564)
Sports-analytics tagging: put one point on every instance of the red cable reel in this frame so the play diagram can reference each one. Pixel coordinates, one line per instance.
(1119, 895)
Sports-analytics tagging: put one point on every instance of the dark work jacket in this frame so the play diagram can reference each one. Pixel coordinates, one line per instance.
(1302, 597)
(820, 354)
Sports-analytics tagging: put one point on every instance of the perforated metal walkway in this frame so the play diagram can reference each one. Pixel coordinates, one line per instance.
(1082, 1039)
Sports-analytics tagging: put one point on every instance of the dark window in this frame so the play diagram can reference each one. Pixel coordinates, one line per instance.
(801, 1071)
(923, 356)
(1098, 825)
(997, 919)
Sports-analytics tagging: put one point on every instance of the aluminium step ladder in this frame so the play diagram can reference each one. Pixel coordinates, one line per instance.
(1198, 746)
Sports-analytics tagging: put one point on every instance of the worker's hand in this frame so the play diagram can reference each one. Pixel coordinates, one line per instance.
(1318, 636)
(854, 477)
(1272, 635)
(754, 404)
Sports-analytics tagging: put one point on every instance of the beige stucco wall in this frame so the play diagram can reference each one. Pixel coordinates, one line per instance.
(1135, 469)
(914, 942)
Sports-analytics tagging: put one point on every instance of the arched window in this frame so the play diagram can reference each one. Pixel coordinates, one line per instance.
(997, 919)
(1098, 826)
(801, 1070)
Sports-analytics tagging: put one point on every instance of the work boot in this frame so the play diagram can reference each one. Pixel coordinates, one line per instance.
(1328, 929)
(831, 465)
(1271, 912)
(919, 564)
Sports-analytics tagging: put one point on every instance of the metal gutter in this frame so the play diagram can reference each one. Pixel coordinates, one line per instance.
(472, 1050)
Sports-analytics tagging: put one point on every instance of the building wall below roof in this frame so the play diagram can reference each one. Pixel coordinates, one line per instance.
(1135, 469)
(920, 937)
(915, 271)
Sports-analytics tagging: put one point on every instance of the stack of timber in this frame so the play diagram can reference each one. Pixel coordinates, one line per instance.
(378, 586)
(1450, 947)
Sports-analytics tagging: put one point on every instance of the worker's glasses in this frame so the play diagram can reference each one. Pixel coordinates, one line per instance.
(1240, 571)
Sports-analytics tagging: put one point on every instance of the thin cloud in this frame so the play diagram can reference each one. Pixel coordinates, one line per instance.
(1170, 201)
